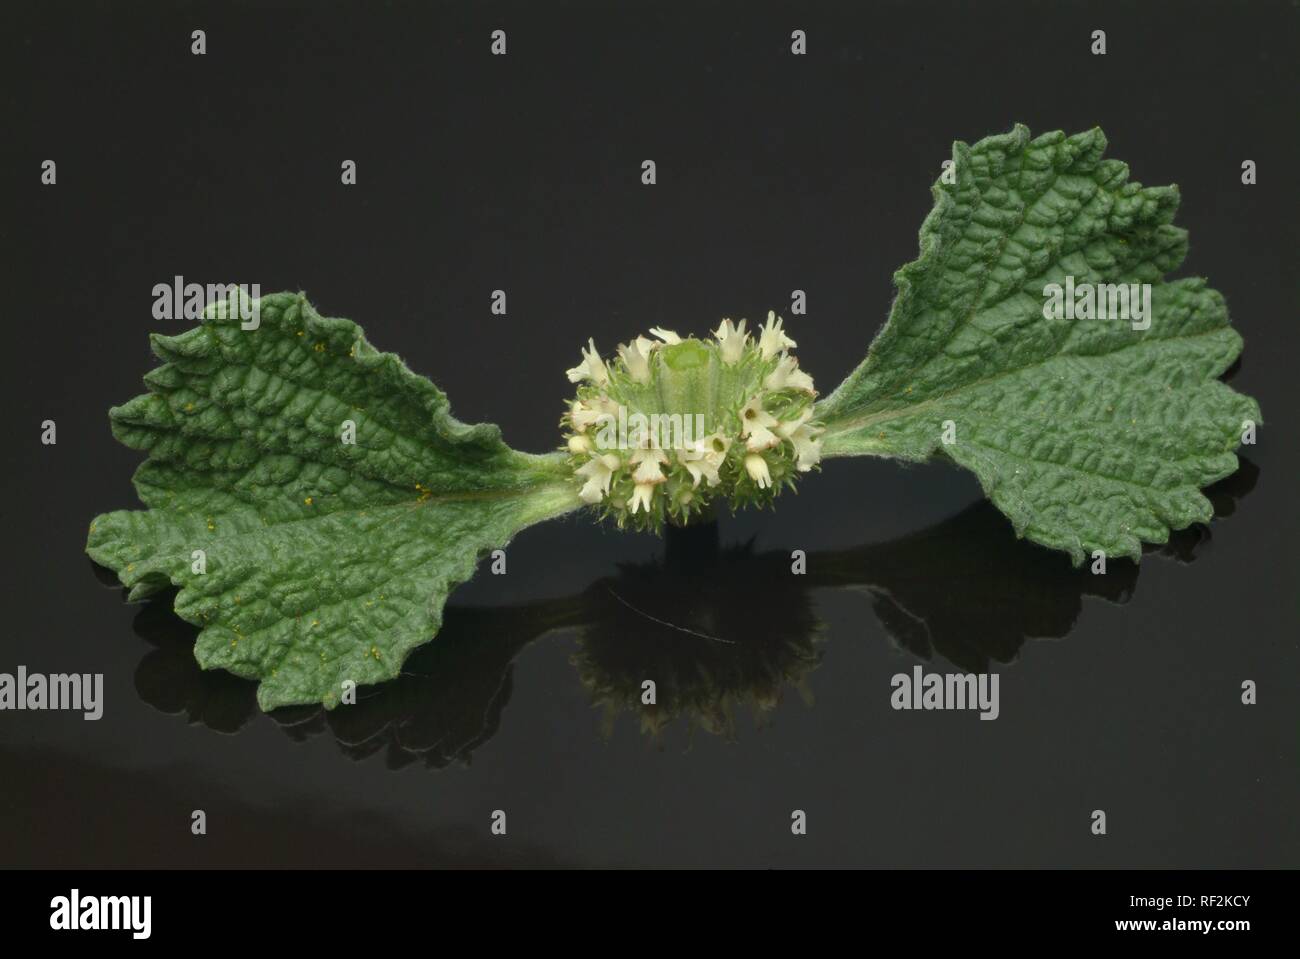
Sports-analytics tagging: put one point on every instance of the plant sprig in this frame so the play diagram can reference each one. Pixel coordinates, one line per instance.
(313, 564)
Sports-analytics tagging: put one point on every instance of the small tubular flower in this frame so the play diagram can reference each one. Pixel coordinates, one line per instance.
(636, 357)
(591, 368)
(590, 412)
(705, 458)
(756, 424)
(772, 339)
(599, 471)
(731, 340)
(757, 469)
(788, 376)
(803, 436)
(641, 496)
(807, 448)
(648, 462)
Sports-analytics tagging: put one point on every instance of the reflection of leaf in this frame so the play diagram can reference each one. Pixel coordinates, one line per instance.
(449, 698)
(446, 702)
(325, 561)
(966, 591)
(1087, 433)
(169, 679)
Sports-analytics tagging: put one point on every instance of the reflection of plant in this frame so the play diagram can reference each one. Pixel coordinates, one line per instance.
(690, 624)
(720, 652)
(705, 694)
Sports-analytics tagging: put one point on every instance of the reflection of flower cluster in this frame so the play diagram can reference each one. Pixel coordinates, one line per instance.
(673, 423)
(727, 657)
(703, 699)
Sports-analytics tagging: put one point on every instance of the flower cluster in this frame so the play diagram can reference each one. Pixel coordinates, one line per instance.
(673, 423)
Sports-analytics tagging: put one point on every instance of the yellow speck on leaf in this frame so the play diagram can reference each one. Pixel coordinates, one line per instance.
(307, 501)
(320, 347)
(189, 407)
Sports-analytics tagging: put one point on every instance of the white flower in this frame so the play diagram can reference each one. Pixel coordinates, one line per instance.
(761, 438)
(580, 443)
(648, 462)
(599, 470)
(641, 494)
(583, 414)
(700, 468)
(668, 336)
(788, 376)
(789, 426)
(752, 414)
(756, 426)
(773, 339)
(636, 356)
(807, 445)
(591, 368)
(756, 467)
(731, 340)
(705, 457)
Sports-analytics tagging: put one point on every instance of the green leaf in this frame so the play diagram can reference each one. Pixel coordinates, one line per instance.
(1088, 434)
(325, 561)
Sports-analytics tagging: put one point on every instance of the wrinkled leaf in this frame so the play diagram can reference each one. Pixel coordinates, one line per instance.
(322, 561)
(1088, 434)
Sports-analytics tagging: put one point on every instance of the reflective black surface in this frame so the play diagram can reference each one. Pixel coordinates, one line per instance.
(1119, 692)
(719, 630)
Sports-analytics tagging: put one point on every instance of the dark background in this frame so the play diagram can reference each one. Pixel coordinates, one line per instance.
(522, 172)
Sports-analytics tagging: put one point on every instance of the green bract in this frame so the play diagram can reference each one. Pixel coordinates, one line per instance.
(315, 501)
